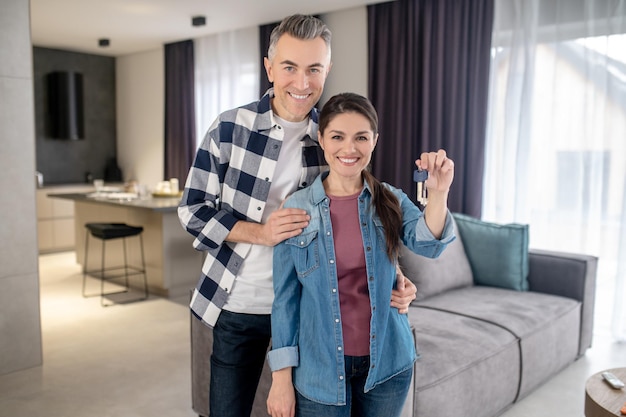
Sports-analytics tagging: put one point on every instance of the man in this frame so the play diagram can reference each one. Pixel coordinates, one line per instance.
(250, 160)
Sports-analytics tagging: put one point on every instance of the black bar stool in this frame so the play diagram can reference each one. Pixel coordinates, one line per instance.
(109, 231)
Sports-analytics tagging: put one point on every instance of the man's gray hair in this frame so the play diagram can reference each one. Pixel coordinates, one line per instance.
(300, 27)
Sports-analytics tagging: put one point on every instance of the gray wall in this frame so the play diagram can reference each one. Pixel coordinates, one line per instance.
(68, 161)
(20, 329)
(349, 52)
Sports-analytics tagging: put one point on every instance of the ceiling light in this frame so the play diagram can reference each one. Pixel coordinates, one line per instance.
(198, 20)
(103, 42)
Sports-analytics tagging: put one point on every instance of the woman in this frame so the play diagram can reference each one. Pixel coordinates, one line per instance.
(334, 336)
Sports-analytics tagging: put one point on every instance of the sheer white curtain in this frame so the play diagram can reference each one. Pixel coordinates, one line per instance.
(556, 146)
(227, 69)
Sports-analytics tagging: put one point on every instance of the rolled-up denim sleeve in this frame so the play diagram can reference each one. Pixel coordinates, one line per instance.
(417, 236)
(422, 232)
(283, 358)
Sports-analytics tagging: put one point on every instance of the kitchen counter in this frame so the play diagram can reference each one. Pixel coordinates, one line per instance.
(165, 204)
(55, 218)
(173, 265)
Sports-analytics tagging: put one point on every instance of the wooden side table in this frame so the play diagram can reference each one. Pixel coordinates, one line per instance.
(600, 399)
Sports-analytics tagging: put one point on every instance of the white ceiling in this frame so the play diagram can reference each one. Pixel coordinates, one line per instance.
(140, 25)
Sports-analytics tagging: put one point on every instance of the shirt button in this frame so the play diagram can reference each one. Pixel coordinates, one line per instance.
(332, 261)
(334, 289)
(336, 320)
(302, 243)
(341, 377)
(339, 348)
(369, 248)
(371, 278)
(327, 233)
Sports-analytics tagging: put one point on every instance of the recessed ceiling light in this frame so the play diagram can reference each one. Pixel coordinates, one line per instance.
(198, 20)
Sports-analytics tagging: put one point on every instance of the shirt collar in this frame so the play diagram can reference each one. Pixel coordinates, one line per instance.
(267, 121)
(318, 194)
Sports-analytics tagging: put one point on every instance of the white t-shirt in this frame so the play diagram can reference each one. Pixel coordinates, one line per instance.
(252, 292)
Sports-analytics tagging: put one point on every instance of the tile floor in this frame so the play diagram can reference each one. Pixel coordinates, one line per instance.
(133, 360)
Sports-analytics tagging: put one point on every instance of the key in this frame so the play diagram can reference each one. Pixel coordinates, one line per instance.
(420, 176)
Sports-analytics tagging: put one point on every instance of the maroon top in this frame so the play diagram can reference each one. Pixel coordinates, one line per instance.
(352, 275)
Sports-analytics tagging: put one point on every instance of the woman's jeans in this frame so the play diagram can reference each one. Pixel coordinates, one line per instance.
(240, 343)
(385, 400)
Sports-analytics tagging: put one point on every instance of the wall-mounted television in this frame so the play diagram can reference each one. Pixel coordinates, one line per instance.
(65, 105)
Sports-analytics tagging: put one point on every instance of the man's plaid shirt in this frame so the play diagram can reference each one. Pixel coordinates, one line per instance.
(229, 181)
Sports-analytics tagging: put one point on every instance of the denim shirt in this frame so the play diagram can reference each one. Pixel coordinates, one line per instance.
(306, 317)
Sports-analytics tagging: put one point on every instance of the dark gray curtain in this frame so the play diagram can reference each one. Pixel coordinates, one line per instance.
(429, 74)
(180, 124)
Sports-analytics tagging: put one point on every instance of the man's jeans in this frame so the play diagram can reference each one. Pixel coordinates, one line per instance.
(240, 343)
(386, 399)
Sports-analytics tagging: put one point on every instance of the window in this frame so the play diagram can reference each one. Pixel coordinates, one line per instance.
(226, 74)
(556, 143)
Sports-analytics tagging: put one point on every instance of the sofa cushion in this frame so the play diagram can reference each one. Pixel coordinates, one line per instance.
(497, 253)
(433, 276)
(548, 326)
(466, 366)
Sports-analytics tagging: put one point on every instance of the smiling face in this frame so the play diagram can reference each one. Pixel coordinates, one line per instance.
(298, 70)
(348, 142)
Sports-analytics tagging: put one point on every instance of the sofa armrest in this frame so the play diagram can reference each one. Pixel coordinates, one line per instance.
(201, 348)
(568, 275)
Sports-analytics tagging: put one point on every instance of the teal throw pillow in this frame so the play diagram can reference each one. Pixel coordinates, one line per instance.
(497, 253)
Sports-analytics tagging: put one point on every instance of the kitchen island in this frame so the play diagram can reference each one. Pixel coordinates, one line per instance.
(172, 264)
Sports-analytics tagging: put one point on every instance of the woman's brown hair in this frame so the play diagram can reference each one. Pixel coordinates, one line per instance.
(384, 201)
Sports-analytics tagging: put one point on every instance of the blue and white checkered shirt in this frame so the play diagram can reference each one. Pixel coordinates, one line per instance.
(230, 181)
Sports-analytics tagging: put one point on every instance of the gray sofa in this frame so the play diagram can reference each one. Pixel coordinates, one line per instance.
(481, 347)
